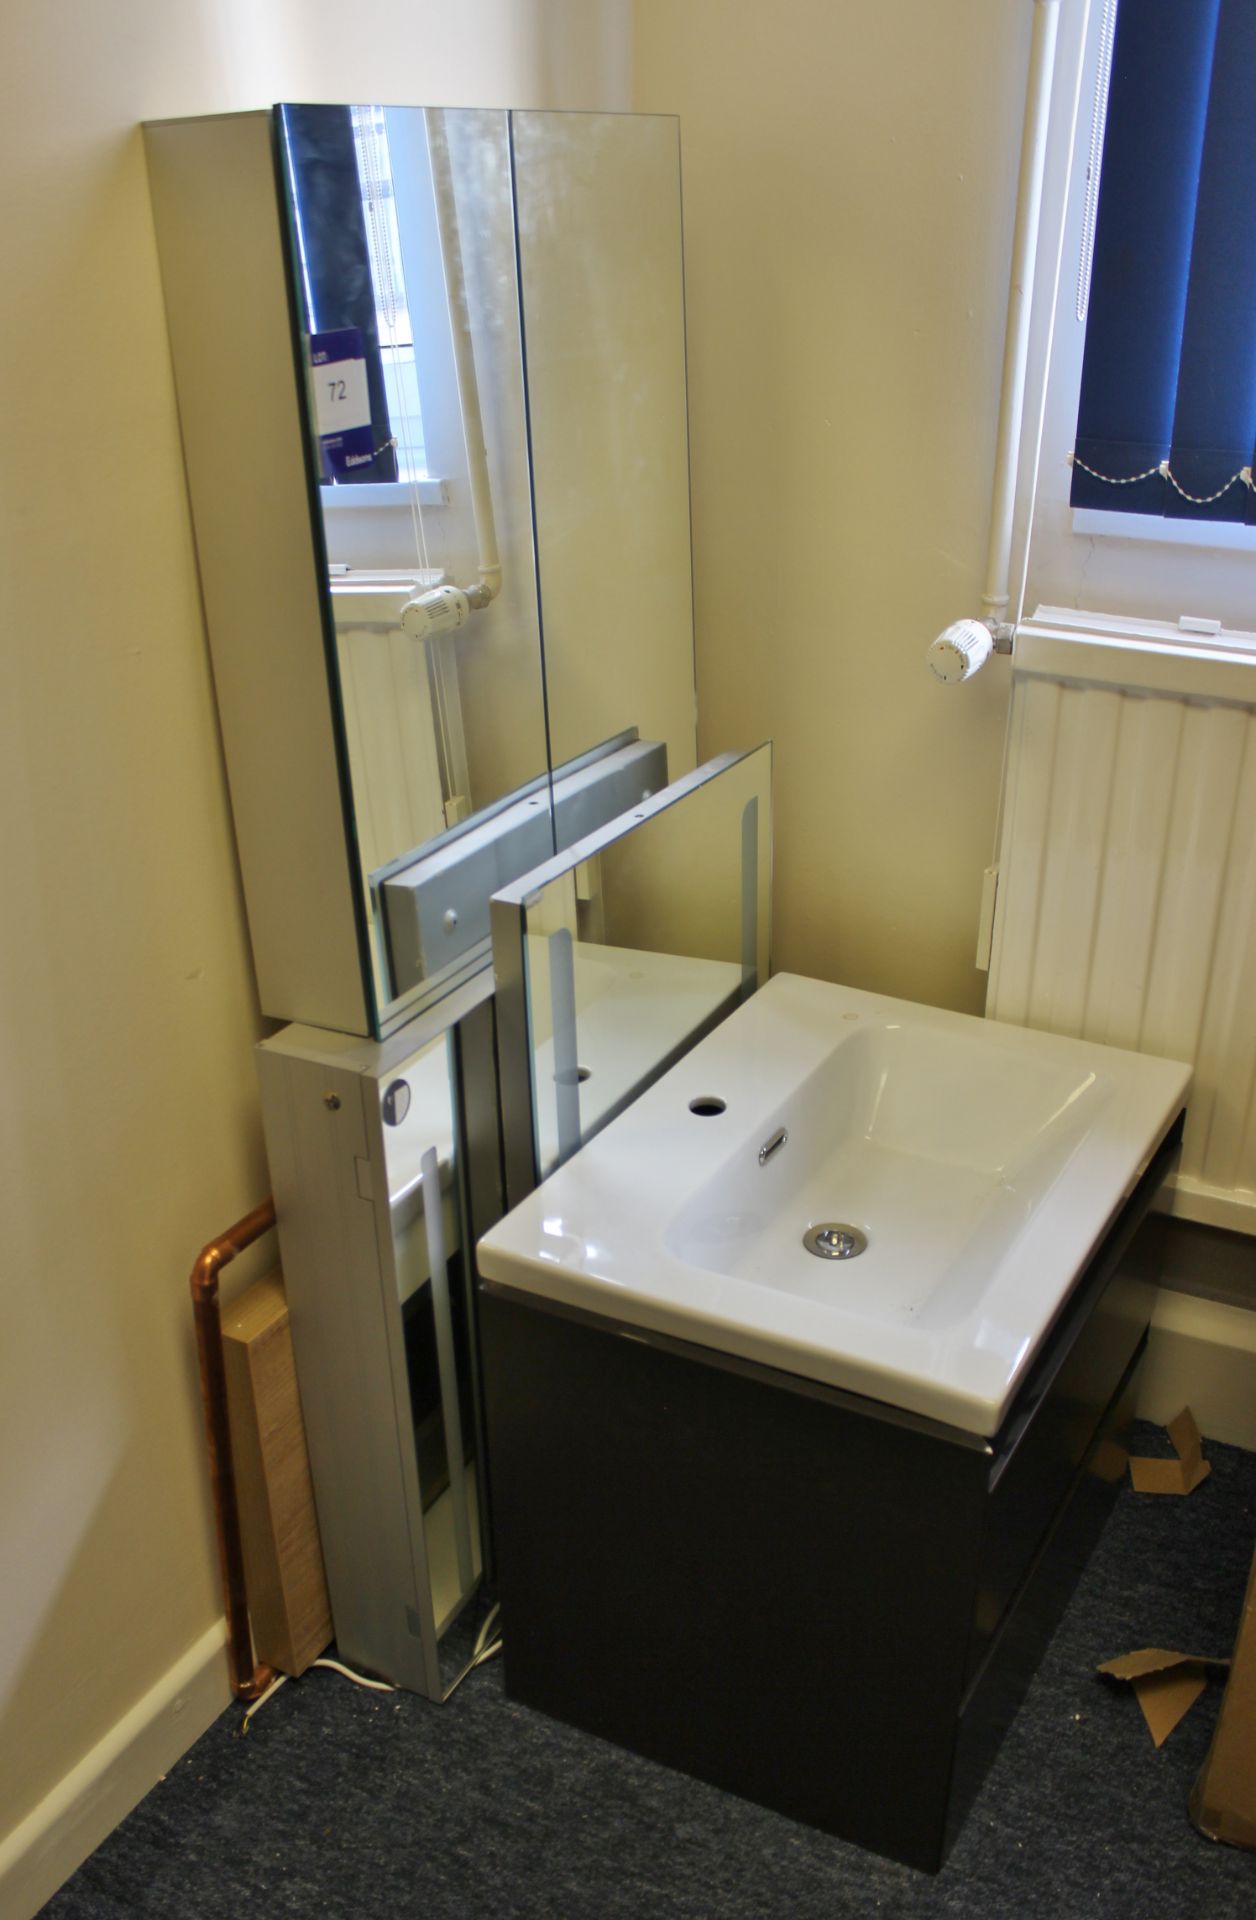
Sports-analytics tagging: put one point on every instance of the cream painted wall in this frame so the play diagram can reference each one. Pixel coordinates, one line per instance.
(849, 180)
(129, 1114)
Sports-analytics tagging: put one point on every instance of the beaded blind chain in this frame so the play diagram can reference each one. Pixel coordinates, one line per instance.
(1196, 499)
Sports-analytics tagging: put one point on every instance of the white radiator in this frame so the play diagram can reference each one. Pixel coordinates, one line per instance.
(403, 719)
(1126, 902)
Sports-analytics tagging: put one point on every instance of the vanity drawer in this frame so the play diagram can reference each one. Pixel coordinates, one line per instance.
(1055, 1419)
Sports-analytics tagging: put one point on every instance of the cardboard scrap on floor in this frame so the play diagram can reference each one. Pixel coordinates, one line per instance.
(1166, 1685)
(1223, 1802)
(1182, 1475)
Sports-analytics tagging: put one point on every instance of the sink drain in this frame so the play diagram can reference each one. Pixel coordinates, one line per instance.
(831, 1240)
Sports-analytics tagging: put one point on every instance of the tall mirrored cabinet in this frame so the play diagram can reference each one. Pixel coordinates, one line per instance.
(430, 370)
(431, 383)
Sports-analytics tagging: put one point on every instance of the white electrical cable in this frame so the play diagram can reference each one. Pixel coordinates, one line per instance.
(336, 1666)
(358, 1679)
(261, 1700)
(482, 1652)
(486, 1627)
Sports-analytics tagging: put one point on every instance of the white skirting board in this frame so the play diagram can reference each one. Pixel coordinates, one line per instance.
(41, 1853)
(1202, 1355)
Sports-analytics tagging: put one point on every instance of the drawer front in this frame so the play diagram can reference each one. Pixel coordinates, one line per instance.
(1038, 1457)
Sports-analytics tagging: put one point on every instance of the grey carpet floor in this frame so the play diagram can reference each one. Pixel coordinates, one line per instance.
(342, 1803)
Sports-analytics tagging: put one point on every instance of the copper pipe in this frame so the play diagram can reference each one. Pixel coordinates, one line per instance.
(247, 1680)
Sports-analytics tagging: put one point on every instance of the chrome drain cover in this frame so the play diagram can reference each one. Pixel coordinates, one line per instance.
(832, 1240)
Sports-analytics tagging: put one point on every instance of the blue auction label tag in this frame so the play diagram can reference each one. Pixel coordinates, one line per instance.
(342, 401)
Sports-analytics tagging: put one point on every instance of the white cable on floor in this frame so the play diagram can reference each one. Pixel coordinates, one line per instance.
(477, 1660)
(480, 1655)
(486, 1628)
(261, 1700)
(358, 1679)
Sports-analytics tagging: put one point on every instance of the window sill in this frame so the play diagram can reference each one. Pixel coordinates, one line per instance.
(399, 494)
(1231, 536)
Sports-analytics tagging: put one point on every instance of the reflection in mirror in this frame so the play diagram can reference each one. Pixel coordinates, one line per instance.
(601, 280)
(613, 960)
(434, 911)
(429, 244)
(402, 228)
(435, 1376)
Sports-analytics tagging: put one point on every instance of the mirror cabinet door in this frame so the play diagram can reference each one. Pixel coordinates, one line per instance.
(407, 312)
(491, 311)
(601, 282)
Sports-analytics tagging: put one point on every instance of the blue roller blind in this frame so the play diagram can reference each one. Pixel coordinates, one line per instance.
(1167, 413)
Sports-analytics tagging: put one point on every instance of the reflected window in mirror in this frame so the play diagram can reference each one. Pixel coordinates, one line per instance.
(392, 306)
(339, 291)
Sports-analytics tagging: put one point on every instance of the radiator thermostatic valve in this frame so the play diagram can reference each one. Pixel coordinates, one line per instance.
(440, 610)
(966, 645)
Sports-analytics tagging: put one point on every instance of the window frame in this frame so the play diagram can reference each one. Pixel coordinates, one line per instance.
(1132, 565)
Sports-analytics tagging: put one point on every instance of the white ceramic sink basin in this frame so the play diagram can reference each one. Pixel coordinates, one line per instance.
(982, 1162)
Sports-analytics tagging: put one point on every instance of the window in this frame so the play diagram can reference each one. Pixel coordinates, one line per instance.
(1166, 421)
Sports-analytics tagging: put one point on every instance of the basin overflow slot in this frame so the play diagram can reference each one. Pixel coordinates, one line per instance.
(773, 1145)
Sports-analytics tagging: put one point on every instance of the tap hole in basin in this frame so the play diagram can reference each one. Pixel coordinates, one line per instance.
(707, 1105)
(569, 1079)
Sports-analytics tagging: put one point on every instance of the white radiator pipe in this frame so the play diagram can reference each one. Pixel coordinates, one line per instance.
(489, 564)
(962, 650)
(994, 601)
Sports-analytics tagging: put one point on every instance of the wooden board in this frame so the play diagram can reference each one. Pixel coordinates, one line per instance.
(283, 1557)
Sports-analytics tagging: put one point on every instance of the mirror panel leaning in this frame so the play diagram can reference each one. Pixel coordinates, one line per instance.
(616, 958)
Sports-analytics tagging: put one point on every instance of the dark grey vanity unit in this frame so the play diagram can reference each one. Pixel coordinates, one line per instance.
(805, 1597)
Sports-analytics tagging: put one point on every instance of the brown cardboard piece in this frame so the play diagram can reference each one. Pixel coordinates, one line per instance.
(1223, 1800)
(1182, 1475)
(1166, 1685)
